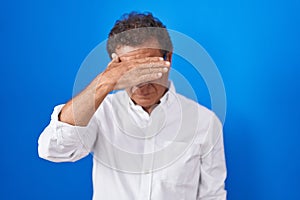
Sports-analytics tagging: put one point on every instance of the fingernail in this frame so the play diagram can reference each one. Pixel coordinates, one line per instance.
(113, 55)
(165, 69)
(168, 63)
(159, 74)
(161, 59)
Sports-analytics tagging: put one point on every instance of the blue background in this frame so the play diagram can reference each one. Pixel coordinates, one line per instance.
(255, 45)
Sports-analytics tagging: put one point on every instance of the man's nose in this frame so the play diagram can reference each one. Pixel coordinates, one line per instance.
(143, 84)
(141, 87)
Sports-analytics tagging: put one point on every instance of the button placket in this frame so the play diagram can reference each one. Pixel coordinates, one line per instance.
(147, 174)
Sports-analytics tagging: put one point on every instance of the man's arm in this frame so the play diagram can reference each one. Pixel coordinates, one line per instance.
(213, 165)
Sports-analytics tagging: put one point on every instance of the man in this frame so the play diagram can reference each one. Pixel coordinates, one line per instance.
(148, 141)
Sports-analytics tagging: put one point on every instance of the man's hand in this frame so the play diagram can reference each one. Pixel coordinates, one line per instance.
(133, 71)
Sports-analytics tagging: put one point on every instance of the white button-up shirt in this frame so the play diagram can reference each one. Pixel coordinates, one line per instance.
(174, 153)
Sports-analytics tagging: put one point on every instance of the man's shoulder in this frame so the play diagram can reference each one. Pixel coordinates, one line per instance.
(190, 103)
(113, 101)
(115, 98)
(201, 112)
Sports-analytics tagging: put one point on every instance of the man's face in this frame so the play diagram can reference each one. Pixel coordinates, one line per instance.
(149, 93)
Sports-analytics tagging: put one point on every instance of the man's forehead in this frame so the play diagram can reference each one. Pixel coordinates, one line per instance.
(128, 51)
(148, 47)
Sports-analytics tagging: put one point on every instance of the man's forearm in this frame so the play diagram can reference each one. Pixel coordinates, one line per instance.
(80, 109)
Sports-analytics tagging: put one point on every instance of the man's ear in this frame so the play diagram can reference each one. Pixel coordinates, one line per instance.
(169, 56)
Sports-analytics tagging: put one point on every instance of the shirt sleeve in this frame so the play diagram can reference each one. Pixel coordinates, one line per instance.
(213, 166)
(62, 142)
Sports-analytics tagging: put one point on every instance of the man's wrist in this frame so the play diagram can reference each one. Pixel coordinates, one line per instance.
(104, 88)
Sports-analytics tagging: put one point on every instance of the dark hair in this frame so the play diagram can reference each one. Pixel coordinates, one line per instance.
(134, 29)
